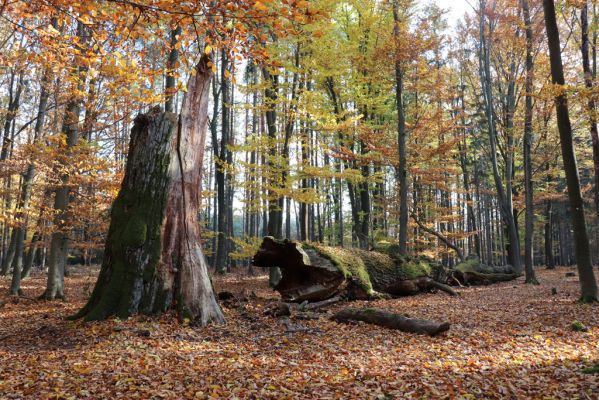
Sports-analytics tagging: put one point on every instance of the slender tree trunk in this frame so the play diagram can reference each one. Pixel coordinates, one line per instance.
(221, 175)
(153, 258)
(589, 83)
(60, 238)
(14, 102)
(401, 138)
(549, 258)
(10, 254)
(363, 231)
(275, 219)
(504, 203)
(527, 144)
(588, 285)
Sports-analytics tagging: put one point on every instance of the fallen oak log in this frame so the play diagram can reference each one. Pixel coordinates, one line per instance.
(315, 272)
(391, 320)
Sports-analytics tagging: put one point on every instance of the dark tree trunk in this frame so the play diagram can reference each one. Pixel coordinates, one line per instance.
(10, 254)
(153, 258)
(527, 144)
(588, 81)
(588, 285)
(391, 320)
(363, 231)
(503, 194)
(303, 206)
(59, 242)
(60, 238)
(14, 102)
(402, 171)
(549, 258)
(221, 175)
(275, 211)
(23, 203)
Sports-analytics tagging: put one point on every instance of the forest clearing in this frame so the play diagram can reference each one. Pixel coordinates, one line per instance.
(506, 341)
(249, 199)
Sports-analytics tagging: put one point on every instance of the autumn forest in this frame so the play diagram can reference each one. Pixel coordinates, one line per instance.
(251, 199)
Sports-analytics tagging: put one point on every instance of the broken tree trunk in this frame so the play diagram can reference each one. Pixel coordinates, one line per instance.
(314, 272)
(391, 320)
(473, 272)
(153, 259)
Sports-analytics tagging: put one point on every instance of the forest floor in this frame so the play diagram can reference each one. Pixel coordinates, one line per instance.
(507, 340)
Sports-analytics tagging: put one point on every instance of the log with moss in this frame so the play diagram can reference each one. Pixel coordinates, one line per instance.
(472, 272)
(391, 320)
(316, 272)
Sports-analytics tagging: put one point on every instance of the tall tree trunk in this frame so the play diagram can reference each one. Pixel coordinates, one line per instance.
(153, 258)
(221, 175)
(23, 203)
(402, 171)
(588, 285)
(60, 237)
(14, 102)
(527, 144)
(275, 220)
(504, 203)
(589, 83)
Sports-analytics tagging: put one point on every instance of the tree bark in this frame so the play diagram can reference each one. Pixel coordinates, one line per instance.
(588, 285)
(221, 175)
(504, 202)
(153, 258)
(527, 144)
(170, 89)
(589, 83)
(391, 320)
(549, 258)
(401, 138)
(275, 209)
(59, 242)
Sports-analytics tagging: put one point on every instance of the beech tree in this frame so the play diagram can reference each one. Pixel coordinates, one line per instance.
(588, 285)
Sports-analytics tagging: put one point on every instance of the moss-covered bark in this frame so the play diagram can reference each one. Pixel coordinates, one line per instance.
(472, 272)
(153, 259)
(130, 280)
(314, 271)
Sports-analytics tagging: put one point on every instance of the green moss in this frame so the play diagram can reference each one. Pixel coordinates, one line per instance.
(588, 300)
(591, 370)
(183, 312)
(135, 231)
(376, 262)
(578, 326)
(415, 268)
(349, 263)
(470, 265)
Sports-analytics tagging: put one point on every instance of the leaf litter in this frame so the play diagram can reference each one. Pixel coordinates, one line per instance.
(507, 341)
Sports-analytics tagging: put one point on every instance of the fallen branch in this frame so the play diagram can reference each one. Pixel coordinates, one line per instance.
(391, 320)
(443, 287)
(319, 304)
